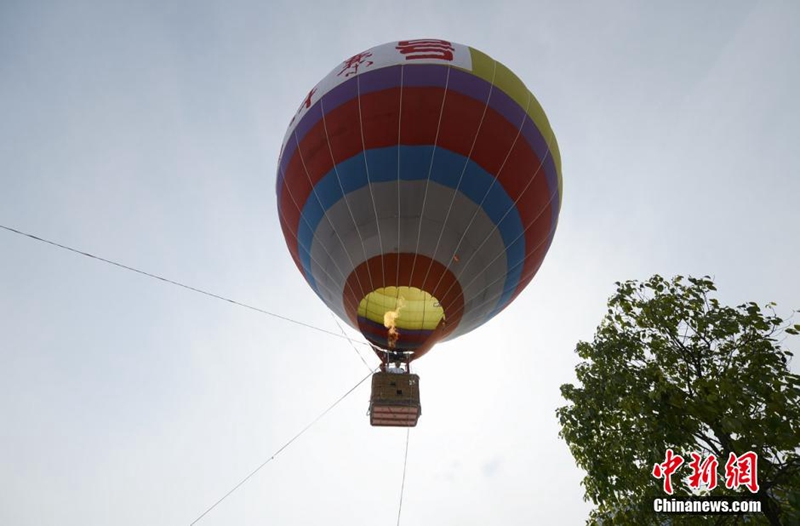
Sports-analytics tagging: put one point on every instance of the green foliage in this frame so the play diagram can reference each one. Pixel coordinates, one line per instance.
(670, 367)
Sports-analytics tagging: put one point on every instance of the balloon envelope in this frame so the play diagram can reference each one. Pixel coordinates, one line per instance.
(419, 187)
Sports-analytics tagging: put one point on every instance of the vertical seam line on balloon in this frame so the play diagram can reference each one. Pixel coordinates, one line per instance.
(399, 144)
(319, 201)
(461, 177)
(512, 207)
(344, 196)
(331, 292)
(527, 186)
(297, 237)
(488, 190)
(369, 185)
(311, 256)
(428, 179)
(521, 262)
(496, 178)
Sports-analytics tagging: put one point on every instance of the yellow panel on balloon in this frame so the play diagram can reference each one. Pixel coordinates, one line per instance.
(409, 308)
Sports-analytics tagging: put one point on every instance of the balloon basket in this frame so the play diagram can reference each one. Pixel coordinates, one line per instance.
(395, 400)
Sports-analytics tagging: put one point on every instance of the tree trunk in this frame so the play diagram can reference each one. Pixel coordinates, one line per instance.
(769, 508)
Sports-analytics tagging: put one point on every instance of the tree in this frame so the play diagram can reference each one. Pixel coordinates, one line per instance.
(670, 367)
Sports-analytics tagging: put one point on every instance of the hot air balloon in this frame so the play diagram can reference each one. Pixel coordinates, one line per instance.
(419, 187)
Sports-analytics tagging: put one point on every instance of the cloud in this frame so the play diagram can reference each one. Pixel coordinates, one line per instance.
(490, 468)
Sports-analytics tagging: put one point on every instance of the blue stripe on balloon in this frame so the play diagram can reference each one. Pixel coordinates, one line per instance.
(477, 184)
(423, 75)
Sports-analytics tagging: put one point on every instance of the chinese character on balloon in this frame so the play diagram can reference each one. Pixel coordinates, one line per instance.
(426, 49)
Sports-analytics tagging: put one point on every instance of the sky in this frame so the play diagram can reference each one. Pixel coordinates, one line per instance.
(148, 133)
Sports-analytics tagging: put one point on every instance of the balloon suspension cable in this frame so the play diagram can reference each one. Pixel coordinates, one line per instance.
(393, 356)
(177, 283)
(287, 444)
(369, 368)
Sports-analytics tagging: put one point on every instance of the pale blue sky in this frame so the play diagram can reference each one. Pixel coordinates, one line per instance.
(149, 132)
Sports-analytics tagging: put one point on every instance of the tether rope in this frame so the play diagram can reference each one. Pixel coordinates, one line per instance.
(403, 483)
(237, 486)
(176, 283)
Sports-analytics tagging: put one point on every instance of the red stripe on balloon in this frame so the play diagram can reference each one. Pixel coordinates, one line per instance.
(420, 116)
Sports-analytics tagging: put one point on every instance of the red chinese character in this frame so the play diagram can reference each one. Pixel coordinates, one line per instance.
(665, 470)
(306, 104)
(705, 472)
(424, 49)
(742, 471)
(355, 61)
